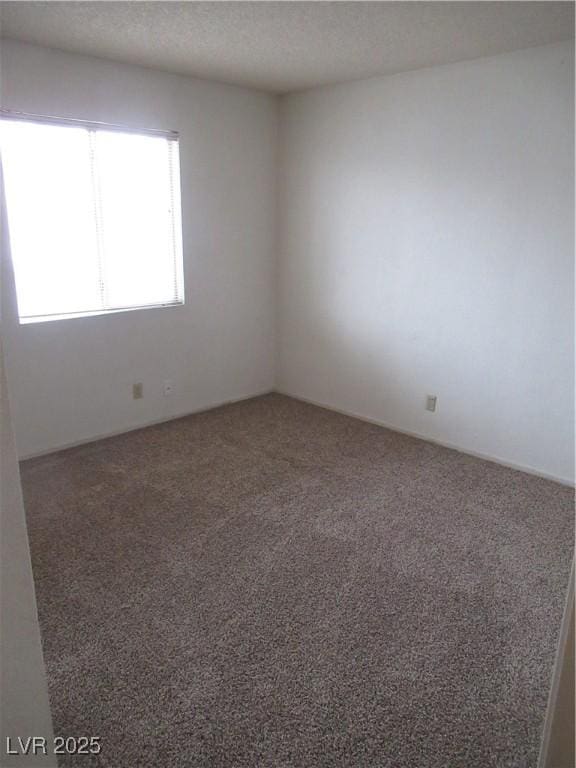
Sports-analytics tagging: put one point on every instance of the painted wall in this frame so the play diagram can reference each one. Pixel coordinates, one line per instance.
(72, 379)
(558, 742)
(24, 704)
(427, 247)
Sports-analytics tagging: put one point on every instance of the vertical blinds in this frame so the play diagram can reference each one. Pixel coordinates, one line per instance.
(94, 217)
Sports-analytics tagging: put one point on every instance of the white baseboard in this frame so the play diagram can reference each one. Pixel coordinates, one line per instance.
(445, 444)
(143, 425)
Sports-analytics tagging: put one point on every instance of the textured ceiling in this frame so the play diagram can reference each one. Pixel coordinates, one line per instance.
(287, 46)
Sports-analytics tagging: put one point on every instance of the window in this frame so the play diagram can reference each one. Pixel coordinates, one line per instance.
(93, 216)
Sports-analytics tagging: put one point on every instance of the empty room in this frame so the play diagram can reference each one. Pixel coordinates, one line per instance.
(287, 384)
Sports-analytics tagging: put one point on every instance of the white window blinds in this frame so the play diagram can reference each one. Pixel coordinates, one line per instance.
(94, 218)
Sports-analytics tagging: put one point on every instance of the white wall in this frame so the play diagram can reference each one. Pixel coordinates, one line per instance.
(71, 380)
(557, 745)
(427, 247)
(24, 703)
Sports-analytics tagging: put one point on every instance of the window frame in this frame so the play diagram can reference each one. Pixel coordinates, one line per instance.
(93, 125)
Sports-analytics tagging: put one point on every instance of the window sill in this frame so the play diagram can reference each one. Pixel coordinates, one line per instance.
(95, 313)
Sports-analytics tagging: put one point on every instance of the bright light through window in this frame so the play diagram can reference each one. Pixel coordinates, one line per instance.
(93, 218)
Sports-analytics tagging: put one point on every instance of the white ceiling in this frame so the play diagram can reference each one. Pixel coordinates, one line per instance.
(287, 46)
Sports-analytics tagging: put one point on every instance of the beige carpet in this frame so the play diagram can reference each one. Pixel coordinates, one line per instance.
(272, 584)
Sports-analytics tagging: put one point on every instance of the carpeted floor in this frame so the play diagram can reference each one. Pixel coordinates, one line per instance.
(272, 584)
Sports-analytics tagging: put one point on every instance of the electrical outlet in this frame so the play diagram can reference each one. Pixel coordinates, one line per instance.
(168, 388)
(138, 391)
(431, 402)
